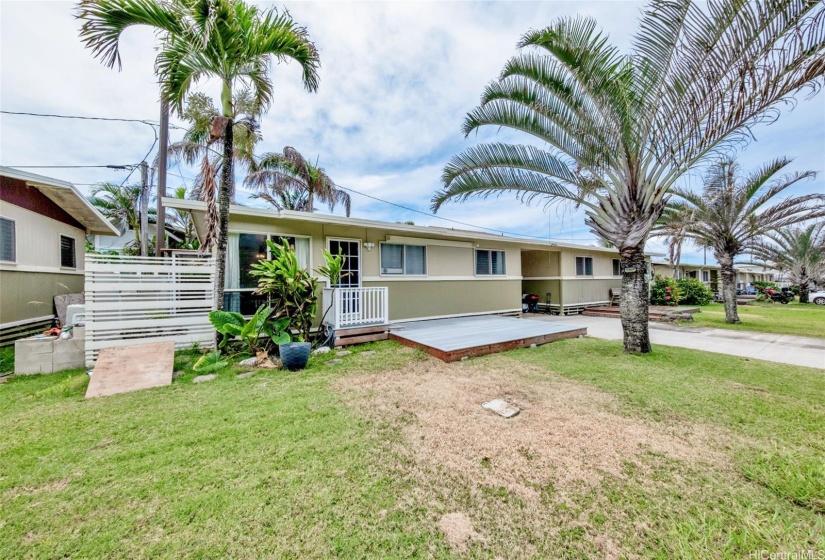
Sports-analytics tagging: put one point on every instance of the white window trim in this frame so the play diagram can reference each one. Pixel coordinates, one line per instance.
(12, 220)
(404, 260)
(592, 271)
(491, 275)
(60, 251)
(360, 242)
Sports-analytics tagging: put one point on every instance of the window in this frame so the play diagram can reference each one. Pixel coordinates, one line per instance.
(490, 263)
(705, 276)
(584, 266)
(8, 245)
(67, 254)
(403, 259)
(617, 267)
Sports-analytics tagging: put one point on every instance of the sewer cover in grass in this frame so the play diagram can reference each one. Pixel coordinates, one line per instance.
(502, 408)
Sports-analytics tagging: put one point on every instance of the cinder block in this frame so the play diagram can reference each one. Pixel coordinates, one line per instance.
(28, 363)
(34, 345)
(78, 333)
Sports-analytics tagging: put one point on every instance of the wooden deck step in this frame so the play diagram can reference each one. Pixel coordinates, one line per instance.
(359, 335)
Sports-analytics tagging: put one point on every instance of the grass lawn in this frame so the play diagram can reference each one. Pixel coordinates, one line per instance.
(793, 318)
(675, 454)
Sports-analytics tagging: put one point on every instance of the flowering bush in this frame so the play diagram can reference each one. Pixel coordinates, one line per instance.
(664, 291)
(693, 292)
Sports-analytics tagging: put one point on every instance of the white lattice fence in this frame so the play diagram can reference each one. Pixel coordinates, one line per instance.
(132, 300)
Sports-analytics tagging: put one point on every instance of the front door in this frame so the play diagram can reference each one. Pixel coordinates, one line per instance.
(350, 275)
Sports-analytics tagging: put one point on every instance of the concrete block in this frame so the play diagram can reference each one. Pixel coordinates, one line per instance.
(79, 333)
(34, 345)
(28, 363)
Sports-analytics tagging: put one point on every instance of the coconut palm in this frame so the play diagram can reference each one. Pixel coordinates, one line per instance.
(288, 173)
(120, 205)
(799, 251)
(731, 214)
(285, 199)
(228, 40)
(196, 143)
(621, 130)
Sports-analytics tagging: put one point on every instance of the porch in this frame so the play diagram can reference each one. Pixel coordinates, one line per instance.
(356, 315)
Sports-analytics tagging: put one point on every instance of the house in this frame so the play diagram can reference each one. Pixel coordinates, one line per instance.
(748, 273)
(406, 272)
(708, 274)
(43, 228)
(128, 240)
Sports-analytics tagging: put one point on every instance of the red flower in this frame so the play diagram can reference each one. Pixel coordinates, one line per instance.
(667, 297)
(667, 289)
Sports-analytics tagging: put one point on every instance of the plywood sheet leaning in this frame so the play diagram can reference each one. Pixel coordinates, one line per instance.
(131, 368)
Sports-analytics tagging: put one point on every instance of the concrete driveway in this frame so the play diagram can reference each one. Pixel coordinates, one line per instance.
(786, 349)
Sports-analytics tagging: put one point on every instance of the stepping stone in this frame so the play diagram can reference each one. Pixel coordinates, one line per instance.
(501, 407)
(368, 353)
(204, 378)
(333, 362)
(343, 353)
(245, 375)
(322, 350)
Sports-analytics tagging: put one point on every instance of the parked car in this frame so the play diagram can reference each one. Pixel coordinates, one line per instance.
(817, 297)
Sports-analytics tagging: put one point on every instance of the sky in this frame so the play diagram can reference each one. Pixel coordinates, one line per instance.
(396, 82)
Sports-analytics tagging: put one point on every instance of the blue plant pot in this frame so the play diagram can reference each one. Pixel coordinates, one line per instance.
(294, 355)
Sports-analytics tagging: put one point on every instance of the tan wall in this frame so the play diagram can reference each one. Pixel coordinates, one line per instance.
(38, 240)
(27, 295)
(449, 261)
(588, 291)
(602, 262)
(417, 299)
(540, 264)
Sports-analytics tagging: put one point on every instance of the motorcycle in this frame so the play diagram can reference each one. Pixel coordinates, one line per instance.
(779, 297)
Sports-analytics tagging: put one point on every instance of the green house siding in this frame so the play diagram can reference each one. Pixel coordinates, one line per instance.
(585, 291)
(413, 299)
(27, 295)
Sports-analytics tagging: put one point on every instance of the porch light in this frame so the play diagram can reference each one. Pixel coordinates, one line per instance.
(369, 245)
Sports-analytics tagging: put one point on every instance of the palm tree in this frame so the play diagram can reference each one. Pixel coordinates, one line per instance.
(286, 199)
(799, 251)
(731, 214)
(196, 144)
(623, 129)
(200, 39)
(119, 205)
(289, 172)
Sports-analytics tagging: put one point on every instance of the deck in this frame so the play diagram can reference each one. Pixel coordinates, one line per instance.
(452, 339)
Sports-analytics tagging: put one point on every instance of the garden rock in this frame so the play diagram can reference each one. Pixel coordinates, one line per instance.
(343, 353)
(204, 378)
(501, 407)
(322, 350)
(249, 362)
(333, 362)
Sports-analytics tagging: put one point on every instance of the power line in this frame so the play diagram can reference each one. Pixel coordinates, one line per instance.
(87, 118)
(118, 167)
(502, 232)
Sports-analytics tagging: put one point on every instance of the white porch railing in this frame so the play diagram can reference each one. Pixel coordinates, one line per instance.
(355, 307)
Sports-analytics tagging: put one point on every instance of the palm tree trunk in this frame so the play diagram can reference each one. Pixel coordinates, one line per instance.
(804, 289)
(634, 301)
(223, 212)
(728, 288)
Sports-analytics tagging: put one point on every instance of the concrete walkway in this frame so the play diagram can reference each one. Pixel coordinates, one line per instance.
(786, 349)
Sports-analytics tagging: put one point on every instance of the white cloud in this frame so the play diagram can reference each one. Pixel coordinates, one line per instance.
(397, 79)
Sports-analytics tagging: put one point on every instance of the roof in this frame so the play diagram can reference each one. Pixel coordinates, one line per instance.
(665, 262)
(234, 209)
(68, 198)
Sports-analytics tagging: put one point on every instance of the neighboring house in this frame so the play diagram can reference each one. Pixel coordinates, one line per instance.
(428, 272)
(748, 273)
(43, 228)
(708, 274)
(128, 240)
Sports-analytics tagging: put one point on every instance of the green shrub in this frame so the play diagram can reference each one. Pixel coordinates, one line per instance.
(664, 291)
(693, 292)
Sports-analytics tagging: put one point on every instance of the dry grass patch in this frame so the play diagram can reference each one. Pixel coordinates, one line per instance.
(567, 433)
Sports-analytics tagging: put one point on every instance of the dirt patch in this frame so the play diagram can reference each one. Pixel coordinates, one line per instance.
(457, 529)
(567, 433)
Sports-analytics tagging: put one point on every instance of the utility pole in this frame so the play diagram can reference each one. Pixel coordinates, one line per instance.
(162, 156)
(144, 209)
